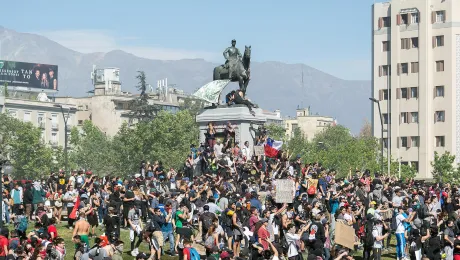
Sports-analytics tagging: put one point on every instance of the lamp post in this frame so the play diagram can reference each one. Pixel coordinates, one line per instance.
(381, 141)
(66, 118)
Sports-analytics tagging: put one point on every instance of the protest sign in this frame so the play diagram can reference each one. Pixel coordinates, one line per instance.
(285, 191)
(259, 150)
(344, 235)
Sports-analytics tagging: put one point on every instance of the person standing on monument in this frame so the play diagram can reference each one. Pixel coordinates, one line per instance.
(232, 56)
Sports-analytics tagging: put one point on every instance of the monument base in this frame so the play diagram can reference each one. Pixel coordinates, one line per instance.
(245, 123)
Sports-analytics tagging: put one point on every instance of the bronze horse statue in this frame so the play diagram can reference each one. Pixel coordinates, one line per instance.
(241, 73)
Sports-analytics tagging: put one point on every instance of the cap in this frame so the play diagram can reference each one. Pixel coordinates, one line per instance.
(373, 203)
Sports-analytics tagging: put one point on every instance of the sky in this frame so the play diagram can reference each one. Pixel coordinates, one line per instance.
(330, 35)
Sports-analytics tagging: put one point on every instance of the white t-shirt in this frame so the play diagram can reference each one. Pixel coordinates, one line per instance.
(400, 224)
(377, 215)
(377, 232)
(292, 239)
(72, 181)
(347, 217)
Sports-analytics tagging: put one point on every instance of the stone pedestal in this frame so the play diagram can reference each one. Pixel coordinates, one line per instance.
(239, 117)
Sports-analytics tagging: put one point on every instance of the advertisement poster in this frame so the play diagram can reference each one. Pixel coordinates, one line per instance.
(30, 75)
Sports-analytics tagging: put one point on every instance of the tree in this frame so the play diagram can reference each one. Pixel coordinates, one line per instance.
(276, 132)
(5, 90)
(92, 149)
(22, 143)
(141, 107)
(366, 129)
(443, 168)
(298, 145)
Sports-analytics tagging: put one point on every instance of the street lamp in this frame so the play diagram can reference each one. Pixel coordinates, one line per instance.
(381, 124)
(66, 118)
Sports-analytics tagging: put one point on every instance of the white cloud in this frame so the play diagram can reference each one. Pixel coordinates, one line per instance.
(89, 41)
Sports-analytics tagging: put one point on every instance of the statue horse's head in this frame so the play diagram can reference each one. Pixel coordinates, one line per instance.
(247, 51)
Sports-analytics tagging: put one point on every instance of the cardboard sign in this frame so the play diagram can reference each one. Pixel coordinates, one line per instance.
(285, 191)
(259, 150)
(344, 235)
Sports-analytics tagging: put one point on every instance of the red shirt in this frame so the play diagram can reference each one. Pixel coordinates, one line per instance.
(3, 243)
(187, 252)
(52, 229)
(263, 234)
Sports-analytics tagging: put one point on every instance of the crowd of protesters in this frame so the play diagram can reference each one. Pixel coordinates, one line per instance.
(222, 205)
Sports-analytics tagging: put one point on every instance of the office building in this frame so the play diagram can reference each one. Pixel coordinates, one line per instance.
(416, 79)
(308, 123)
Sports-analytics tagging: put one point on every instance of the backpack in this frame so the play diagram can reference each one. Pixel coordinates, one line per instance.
(311, 190)
(209, 243)
(284, 245)
(23, 224)
(207, 221)
(225, 219)
(368, 238)
(421, 212)
(194, 254)
(413, 244)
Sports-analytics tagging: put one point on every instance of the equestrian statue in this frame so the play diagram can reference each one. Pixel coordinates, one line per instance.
(236, 67)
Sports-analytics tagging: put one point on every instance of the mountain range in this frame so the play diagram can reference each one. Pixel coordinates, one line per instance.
(273, 85)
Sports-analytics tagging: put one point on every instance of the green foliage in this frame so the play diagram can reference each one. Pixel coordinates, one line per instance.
(141, 107)
(92, 149)
(5, 90)
(23, 145)
(276, 132)
(443, 167)
(299, 145)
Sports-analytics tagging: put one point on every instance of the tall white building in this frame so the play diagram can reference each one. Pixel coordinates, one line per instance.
(416, 79)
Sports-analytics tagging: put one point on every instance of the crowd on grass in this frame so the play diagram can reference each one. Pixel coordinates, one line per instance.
(222, 204)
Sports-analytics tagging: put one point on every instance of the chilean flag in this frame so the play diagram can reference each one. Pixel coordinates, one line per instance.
(272, 147)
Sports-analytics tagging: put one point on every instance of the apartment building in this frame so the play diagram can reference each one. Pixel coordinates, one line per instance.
(310, 124)
(416, 79)
(45, 115)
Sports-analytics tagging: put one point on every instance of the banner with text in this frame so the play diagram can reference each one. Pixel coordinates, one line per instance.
(285, 191)
(30, 75)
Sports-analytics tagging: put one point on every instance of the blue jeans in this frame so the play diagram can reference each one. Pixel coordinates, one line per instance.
(169, 235)
(101, 212)
(400, 245)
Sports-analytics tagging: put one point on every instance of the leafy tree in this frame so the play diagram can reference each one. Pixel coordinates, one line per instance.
(366, 129)
(276, 132)
(141, 108)
(5, 90)
(443, 167)
(298, 145)
(22, 144)
(92, 149)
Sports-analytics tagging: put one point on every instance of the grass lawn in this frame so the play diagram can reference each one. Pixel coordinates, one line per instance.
(66, 233)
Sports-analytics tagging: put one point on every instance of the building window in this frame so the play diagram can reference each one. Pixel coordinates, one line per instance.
(403, 68)
(54, 137)
(439, 65)
(13, 113)
(80, 122)
(414, 165)
(384, 22)
(439, 91)
(385, 142)
(414, 18)
(404, 19)
(27, 116)
(404, 118)
(414, 117)
(414, 42)
(403, 141)
(385, 94)
(385, 118)
(385, 46)
(440, 141)
(405, 43)
(414, 141)
(403, 93)
(384, 70)
(438, 41)
(439, 116)
(40, 119)
(414, 92)
(439, 16)
(414, 67)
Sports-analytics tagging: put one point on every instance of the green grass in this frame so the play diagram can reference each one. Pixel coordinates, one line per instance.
(66, 233)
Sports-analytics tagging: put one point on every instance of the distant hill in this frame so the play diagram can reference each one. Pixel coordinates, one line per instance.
(274, 85)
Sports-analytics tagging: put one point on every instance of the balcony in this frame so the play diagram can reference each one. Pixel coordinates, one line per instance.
(55, 126)
(54, 144)
(41, 125)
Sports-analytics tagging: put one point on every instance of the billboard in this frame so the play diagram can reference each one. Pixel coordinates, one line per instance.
(30, 75)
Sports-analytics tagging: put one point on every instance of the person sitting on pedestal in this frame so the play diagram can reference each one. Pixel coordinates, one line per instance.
(238, 98)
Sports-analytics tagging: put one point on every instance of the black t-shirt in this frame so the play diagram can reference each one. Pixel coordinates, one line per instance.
(129, 195)
(456, 244)
(62, 182)
(433, 248)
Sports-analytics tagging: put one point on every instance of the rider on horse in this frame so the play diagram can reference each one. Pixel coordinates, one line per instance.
(233, 57)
